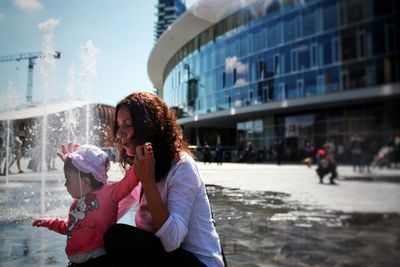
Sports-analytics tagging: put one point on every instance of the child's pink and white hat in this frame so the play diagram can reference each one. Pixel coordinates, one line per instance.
(91, 159)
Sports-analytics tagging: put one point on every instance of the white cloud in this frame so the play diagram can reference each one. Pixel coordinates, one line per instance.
(1, 16)
(232, 63)
(29, 5)
(241, 82)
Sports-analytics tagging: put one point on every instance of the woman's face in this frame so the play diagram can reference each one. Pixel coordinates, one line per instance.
(125, 131)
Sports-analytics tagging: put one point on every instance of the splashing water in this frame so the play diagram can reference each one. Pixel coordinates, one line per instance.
(11, 99)
(47, 65)
(71, 118)
(89, 61)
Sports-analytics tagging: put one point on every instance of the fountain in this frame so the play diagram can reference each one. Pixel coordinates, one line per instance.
(44, 125)
(10, 101)
(88, 59)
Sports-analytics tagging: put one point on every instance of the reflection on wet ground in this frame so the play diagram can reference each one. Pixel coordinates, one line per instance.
(20, 203)
(264, 229)
(256, 229)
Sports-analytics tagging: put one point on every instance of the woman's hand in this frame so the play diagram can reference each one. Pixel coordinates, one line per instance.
(144, 163)
(70, 148)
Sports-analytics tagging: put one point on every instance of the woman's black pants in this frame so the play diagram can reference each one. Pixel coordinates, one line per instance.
(130, 246)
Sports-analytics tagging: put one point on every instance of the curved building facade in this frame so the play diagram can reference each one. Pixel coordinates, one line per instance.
(294, 70)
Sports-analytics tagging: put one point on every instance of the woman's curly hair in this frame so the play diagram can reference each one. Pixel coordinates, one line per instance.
(153, 122)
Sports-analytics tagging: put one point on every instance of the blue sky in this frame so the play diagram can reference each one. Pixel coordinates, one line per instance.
(122, 32)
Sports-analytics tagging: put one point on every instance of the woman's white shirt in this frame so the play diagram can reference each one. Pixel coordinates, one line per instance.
(190, 224)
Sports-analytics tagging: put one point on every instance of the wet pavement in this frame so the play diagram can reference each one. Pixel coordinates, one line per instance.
(266, 215)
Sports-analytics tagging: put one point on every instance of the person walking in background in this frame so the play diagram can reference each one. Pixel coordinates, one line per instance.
(16, 155)
(367, 154)
(356, 152)
(308, 153)
(173, 223)
(250, 154)
(219, 153)
(340, 154)
(206, 153)
(278, 146)
(95, 204)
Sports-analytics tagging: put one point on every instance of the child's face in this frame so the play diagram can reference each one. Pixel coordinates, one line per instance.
(72, 184)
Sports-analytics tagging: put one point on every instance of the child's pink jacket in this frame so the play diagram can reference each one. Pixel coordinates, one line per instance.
(91, 216)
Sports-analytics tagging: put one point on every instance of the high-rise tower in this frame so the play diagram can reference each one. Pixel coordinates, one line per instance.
(167, 12)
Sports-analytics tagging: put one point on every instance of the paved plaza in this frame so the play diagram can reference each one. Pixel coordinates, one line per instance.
(378, 191)
(26, 196)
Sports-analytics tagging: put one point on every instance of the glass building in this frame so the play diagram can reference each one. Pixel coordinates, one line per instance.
(294, 70)
(167, 12)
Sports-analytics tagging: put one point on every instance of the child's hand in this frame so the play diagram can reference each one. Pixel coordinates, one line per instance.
(38, 223)
(70, 148)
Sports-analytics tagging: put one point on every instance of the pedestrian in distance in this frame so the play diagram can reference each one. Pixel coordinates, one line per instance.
(206, 153)
(326, 165)
(308, 153)
(219, 154)
(16, 155)
(95, 205)
(173, 223)
(279, 151)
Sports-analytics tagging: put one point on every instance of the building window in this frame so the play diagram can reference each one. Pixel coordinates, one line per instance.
(261, 69)
(281, 91)
(299, 26)
(319, 20)
(335, 49)
(349, 45)
(351, 11)
(300, 87)
(369, 45)
(265, 94)
(330, 17)
(289, 30)
(304, 56)
(390, 38)
(314, 55)
(361, 51)
(371, 76)
(294, 62)
(250, 97)
(321, 84)
(277, 64)
(344, 80)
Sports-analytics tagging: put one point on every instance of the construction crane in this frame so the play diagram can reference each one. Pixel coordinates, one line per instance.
(32, 61)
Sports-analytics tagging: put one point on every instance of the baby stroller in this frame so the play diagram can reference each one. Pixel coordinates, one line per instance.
(383, 157)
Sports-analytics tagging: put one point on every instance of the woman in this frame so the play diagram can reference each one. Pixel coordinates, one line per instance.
(173, 219)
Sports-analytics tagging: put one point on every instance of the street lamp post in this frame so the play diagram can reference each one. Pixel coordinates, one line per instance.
(192, 87)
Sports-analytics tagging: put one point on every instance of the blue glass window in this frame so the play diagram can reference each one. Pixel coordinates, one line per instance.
(309, 22)
(289, 29)
(330, 17)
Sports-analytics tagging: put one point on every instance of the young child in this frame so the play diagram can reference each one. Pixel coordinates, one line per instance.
(95, 206)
